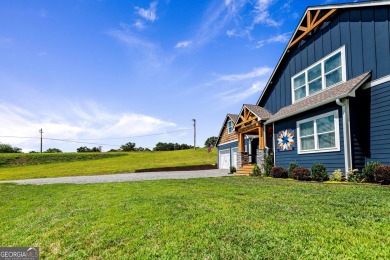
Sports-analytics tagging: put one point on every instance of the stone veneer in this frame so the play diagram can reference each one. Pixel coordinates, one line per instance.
(242, 158)
(260, 157)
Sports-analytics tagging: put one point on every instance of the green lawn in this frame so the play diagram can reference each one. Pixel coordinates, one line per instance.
(216, 218)
(128, 163)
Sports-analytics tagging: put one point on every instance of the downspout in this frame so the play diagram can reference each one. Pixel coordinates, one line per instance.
(346, 134)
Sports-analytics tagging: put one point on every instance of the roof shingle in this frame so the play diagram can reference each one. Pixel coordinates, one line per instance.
(261, 112)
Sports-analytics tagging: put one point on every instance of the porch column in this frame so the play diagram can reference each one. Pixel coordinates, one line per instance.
(242, 157)
(261, 137)
(241, 142)
(260, 153)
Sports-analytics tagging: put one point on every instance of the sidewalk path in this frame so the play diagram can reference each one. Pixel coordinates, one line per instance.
(125, 177)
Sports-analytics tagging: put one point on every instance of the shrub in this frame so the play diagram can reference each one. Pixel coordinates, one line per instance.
(279, 172)
(354, 175)
(382, 174)
(268, 164)
(292, 166)
(232, 169)
(256, 170)
(319, 173)
(337, 175)
(301, 173)
(369, 171)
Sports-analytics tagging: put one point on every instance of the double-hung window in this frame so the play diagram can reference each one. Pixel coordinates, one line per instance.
(319, 133)
(326, 73)
(230, 127)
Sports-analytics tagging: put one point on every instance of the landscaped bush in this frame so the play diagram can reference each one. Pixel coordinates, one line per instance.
(382, 174)
(337, 175)
(369, 171)
(319, 173)
(279, 172)
(301, 173)
(268, 164)
(292, 166)
(354, 175)
(256, 170)
(232, 169)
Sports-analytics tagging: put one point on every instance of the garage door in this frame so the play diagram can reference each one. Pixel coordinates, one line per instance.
(224, 159)
(234, 156)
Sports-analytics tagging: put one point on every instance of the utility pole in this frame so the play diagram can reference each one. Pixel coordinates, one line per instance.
(41, 138)
(194, 133)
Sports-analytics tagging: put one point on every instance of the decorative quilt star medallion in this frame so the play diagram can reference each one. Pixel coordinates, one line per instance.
(286, 140)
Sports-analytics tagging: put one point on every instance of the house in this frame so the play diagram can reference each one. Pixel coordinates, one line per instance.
(328, 98)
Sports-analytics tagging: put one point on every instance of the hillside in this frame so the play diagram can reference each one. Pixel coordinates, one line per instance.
(75, 165)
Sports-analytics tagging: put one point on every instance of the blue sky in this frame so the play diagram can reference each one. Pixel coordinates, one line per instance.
(102, 69)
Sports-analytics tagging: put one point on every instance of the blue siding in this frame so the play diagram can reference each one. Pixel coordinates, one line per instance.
(365, 32)
(379, 123)
(332, 160)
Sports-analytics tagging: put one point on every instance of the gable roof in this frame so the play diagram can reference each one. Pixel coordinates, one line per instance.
(294, 36)
(260, 112)
(326, 96)
(232, 117)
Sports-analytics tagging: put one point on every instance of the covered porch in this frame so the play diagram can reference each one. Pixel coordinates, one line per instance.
(250, 126)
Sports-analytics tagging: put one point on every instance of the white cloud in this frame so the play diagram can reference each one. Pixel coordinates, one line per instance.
(262, 14)
(139, 25)
(183, 44)
(133, 42)
(149, 14)
(86, 121)
(239, 95)
(257, 72)
(280, 38)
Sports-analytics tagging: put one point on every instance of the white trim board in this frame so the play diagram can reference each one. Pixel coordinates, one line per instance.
(228, 142)
(377, 82)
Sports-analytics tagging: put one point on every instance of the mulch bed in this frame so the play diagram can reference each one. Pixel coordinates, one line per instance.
(181, 168)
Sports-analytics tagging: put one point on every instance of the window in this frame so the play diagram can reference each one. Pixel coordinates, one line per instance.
(319, 133)
(323, 74)
(230, 127)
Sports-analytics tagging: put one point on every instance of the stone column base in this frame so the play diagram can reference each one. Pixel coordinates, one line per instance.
(242, 158)
(260, 158)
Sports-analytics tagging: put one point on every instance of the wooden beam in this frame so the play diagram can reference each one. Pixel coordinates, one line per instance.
(308, 20)
(315, 17)
(241, 142)
(302, 28)
(247, 121)
(299, 38)
(261, 137)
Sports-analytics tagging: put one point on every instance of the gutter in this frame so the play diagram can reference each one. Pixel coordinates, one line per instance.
(346, 134)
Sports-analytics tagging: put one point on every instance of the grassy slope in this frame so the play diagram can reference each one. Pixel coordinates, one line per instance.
(235, 217)
(130, 163)
(24, 159)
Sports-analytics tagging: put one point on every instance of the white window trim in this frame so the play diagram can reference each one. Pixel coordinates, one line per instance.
(336, 131)
(230, 132)
(343, 74)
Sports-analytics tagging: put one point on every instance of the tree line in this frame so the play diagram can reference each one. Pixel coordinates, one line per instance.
(127, 147)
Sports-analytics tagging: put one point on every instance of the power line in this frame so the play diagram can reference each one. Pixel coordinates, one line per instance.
(79, 140)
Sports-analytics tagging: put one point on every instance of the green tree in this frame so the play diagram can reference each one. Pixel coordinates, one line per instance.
(53, 150)
(128, 147)
(7, 148)
(211, 141)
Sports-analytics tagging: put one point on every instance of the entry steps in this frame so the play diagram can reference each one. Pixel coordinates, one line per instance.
(246, 169)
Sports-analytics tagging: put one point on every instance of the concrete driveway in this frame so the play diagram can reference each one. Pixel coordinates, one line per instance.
(125, 177)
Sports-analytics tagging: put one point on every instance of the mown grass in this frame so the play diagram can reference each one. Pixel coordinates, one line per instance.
(128, 163)
(23, 159)
(217, 218)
